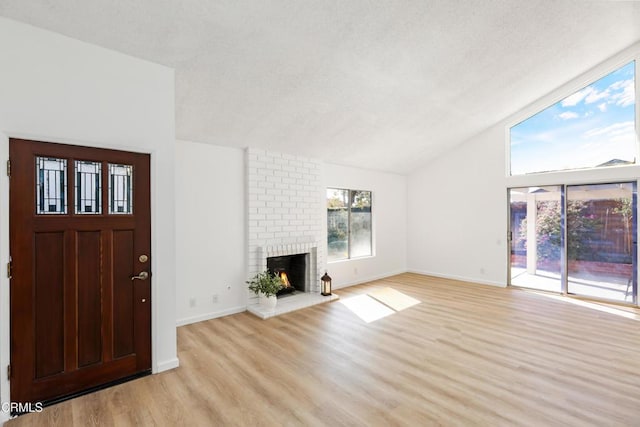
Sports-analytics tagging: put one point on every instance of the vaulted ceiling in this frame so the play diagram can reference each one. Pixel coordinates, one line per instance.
(383, 85)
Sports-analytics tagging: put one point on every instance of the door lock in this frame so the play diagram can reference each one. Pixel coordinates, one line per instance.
(142, 276)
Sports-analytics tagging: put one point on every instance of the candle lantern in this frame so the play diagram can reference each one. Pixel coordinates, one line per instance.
(326, 284)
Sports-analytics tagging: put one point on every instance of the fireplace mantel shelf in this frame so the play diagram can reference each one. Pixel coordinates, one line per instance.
(291, 303)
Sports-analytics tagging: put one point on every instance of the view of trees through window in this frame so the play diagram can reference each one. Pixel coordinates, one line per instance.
(348, 224)
(599, 256)
(594, 127)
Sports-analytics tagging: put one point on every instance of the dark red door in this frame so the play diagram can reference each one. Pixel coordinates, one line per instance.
(80, 241)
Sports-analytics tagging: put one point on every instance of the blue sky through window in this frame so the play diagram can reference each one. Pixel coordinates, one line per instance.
(584, 130)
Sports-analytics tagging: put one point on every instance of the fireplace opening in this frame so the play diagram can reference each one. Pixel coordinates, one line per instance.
(293, 271)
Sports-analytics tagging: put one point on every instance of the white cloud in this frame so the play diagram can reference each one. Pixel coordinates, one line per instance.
(602, 107)
(596, 95)
(568, 115)
(574, 99)
(611, 130)
(627, 96)
(621, 93)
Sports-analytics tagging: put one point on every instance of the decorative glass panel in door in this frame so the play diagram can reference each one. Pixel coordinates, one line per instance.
(536, 237)
(601, 243)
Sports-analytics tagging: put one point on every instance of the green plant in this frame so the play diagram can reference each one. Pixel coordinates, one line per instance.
(266, 283)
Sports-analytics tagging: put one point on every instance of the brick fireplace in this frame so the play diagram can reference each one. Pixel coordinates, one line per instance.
(285, 198)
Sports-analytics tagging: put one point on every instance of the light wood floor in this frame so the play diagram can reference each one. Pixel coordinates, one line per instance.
(466, 355)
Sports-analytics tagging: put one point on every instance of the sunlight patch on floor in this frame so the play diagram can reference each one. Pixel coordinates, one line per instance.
(588, 304)
(378, 304)
(394, 299)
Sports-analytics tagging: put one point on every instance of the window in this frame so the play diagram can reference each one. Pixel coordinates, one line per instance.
(594, 127)
(120, 189)
(88, 187)
(51, 185)
(348, 224)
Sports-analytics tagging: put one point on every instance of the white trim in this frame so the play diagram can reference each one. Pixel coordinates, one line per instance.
(168, 364)
(211, 315)
(460, 278)
(5, 331)
(370, 279)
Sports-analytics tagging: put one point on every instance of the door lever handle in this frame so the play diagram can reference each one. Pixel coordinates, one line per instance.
(142, 276)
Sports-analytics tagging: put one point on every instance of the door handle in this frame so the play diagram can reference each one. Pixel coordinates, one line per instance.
(142, 276)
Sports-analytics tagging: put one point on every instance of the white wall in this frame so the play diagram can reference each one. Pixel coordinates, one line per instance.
(210, 235)
(53, 88)
(389, 210)
(458, 213)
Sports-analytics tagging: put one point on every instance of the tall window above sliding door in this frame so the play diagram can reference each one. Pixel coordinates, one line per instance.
(591, 128)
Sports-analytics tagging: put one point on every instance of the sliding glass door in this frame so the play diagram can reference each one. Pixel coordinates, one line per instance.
(575, 239)
(601, 241)
(536, 237)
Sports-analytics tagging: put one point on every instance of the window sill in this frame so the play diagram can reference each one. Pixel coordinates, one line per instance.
(337, 261)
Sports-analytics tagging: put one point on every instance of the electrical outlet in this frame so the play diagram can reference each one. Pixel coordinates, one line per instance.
(215, 298)
(192, 302)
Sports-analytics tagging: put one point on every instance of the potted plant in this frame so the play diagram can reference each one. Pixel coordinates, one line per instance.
(266, 285)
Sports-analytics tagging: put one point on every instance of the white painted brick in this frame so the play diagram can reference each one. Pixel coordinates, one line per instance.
(281, 161)
(273, 204)
(255, 190)
(274, 192)
(265, 184)
(274, 179)
(288, 180)
(288, 168)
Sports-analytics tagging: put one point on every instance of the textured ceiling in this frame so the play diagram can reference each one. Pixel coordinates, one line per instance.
(383, 85)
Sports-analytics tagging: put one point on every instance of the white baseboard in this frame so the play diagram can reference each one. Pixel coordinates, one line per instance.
(370, 279)
(211, 315)
(167, 365)
(461, 278)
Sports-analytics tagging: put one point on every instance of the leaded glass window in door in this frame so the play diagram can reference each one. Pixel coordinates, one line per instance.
(51, 185)
(88, 187)
(120, 189)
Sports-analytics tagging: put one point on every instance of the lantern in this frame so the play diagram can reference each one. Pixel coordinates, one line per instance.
(326, 284)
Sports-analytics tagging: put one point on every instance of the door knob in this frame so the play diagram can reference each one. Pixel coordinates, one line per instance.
(142, 276)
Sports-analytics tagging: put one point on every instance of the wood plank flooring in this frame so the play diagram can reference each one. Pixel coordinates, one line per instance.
(466, 355)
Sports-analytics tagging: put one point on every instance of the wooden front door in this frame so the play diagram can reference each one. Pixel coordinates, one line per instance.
(80, 241)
